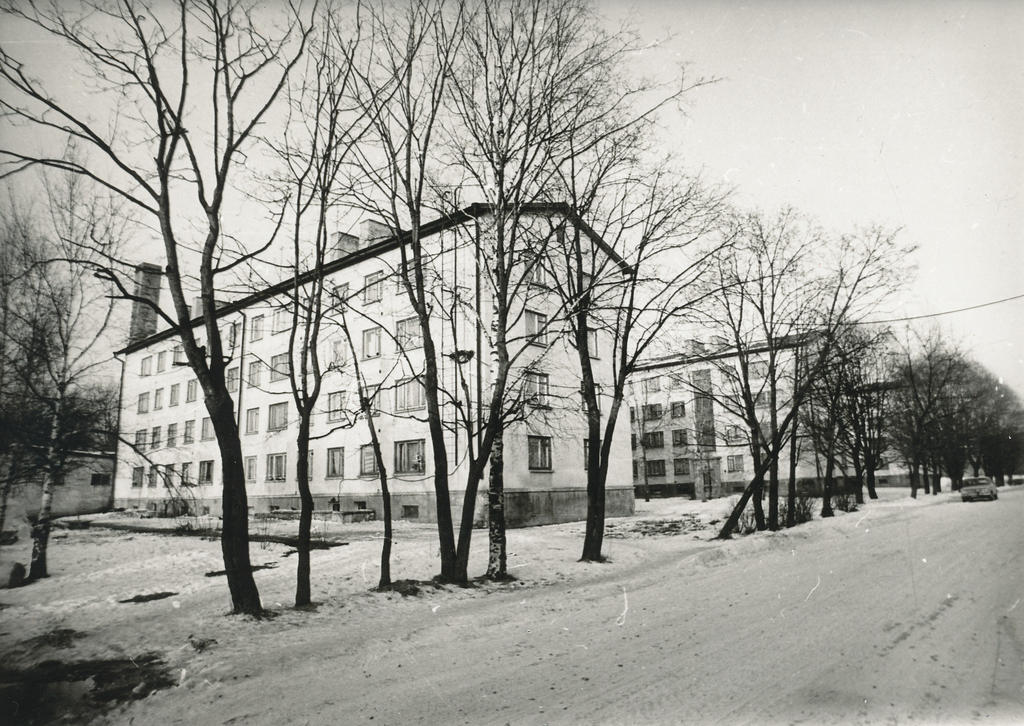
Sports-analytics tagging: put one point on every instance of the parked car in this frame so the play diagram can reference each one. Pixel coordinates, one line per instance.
(978, 487)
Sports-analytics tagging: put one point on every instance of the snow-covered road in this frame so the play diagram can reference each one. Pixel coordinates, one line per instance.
(891, 615)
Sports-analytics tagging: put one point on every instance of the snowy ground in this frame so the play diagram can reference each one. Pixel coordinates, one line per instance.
(834, 621)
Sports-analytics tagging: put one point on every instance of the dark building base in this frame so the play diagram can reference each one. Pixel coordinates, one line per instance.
(522, 508)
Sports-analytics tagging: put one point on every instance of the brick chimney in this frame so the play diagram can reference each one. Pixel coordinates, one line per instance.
(371, 231)
(343, 244)
(147, 285)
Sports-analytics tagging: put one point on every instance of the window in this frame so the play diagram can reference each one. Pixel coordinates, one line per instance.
(173, 397)
(373, 287)
(158, 399)
(277, 416)
(733, 435)
(280, 367)
(336, 405)
(367, 460)
(734, 462)
(256, 332)
(338, 353)
(635, 470)
(255, 371)
(539, 452)
(137, 474)
(586, 453)
(232, 379)
(652, 385)
(146, 368)
(409, 395)
(143, 403)
(277, 465)
(678, 409)
(140, 440)
(681, 467)
(535, 272)
(632, 414)
(186, 473)
(758, 369)
(761, 399)
(189, 435)
(335, 462)
(410, 511)
(161, 361)
(655, 467)
(371, 343)
(597, 394)
(100, 480)
(652, 411)
(340, 293)
(250, 468)
(206, 471)
(190, 390)
(676, 381)
(701, 381)
(536, 328)
(632, 441)
(154, 439)
(679, 437)
(172, 435)
(654, 440)
(281, 321)
(409, 334)
(252, 420)
(409, 457)
(232, 335)
(706, 436)
(206, 433)
(154, 474)
(177, 355)
(592, 341)
(535, 388)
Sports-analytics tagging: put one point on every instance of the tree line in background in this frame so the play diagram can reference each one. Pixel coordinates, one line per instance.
(403, 112)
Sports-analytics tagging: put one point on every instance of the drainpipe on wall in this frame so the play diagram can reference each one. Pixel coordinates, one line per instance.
(479, 341)
(117, 434)
(241, 368)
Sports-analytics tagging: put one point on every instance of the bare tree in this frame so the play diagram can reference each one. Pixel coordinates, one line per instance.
(313, 154)
(865, 359)
(928, 366)
(402, 73)
(789, 285)
(56, 337)
(189, 83)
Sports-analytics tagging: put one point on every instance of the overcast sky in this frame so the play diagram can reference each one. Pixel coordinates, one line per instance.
(909, 114)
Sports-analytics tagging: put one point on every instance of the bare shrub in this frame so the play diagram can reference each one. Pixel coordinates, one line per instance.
(844, 502)
(803, 509)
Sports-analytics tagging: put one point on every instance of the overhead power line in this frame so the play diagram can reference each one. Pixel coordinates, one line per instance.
(945, 312)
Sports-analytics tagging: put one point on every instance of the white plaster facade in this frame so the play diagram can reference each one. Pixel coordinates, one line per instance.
(544, 477)
(671, 458)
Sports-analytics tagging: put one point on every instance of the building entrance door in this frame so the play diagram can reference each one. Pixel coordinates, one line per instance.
(711, 477)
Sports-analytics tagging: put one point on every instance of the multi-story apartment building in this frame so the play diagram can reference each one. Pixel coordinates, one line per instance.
(169, 459)
(688, 438)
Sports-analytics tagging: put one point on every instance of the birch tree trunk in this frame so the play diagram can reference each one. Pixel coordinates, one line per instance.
(41, 527)
(496, 539)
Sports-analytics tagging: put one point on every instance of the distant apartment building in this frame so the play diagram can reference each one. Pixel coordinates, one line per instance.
(169, 459)
(688, 439)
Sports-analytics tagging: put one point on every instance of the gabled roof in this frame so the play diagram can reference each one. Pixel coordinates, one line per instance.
(473, 211)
